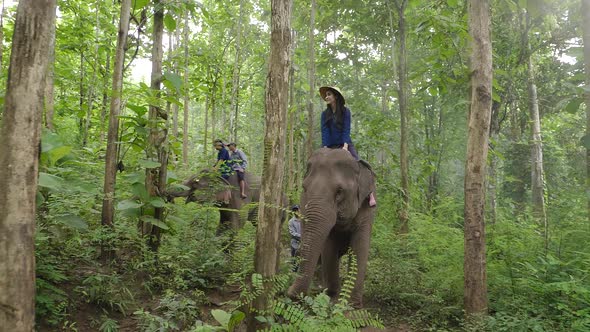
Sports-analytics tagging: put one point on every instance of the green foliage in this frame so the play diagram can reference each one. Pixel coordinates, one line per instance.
(107, 291)
(108, 325)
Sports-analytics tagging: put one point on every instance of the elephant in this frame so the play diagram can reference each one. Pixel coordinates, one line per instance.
(234, 211)
(336, 216)
(208, 186)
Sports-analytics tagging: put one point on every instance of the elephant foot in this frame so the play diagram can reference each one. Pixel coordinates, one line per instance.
(292, 293)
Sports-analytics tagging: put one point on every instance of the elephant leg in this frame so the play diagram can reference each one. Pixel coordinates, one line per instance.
(360, 243)
(331, 265)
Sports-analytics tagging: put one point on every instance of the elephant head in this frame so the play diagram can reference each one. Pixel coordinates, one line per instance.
(206, 186)
(336, 215)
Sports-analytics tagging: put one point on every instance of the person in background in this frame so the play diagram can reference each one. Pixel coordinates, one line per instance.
(239, 162)
(223, 159)
(335, 123)
(295, 232)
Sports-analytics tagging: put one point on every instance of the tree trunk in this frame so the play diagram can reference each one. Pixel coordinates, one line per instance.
(291, 122)
(2, 14)
(276, 102)
(82, 96)
(403, 109)
(492, 182)
(236, 78)
(311, 79)
(105, 91)
(536, 145)
(91, 89)
(19, 160)
(155, 178)
(176, 43)
(186, 95)
(110, 170)
(475, 287)
(586, 39)
(49, 81)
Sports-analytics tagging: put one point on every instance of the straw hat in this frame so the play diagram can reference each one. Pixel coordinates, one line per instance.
(334, 89)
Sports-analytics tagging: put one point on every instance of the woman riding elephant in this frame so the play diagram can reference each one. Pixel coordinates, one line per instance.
(335, 123)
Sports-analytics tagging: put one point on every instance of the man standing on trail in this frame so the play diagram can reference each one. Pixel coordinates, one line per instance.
(238, 164)
(295, 232)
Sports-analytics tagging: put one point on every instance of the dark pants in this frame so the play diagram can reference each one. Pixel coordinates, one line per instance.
(241, 176)
(351, 149)
(294, 255)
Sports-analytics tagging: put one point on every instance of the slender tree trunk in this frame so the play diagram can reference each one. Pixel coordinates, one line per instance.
(536, 145)
(91, 89)
(155, 179)
(49, 81)
(291, 122)
(2, 14)
(276, 102)
(186, 95)
(110, 170)
(475, 287)
(403, 108)
(311, 79)
(82, 96)
(205, 130)
(586, 38)
(175, 105)
(492, 182)
(20, 135)
(235, 79)
(105, 91)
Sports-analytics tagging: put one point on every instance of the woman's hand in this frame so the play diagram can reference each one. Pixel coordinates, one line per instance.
(345, 146)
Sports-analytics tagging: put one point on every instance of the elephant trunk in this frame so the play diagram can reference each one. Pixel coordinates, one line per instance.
(320, 218)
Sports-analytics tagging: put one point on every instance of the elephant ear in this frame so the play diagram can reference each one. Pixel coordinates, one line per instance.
(223, 196)
(366, 182)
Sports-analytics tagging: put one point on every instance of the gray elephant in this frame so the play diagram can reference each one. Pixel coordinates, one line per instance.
(337, 216)
(208, 186)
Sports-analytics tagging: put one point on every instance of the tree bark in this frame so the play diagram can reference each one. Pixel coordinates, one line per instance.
(2, 14)
(110, 170)
(311, 80)
(536, 145)
(404, 215)
(155, 178)
(176, 43)
(49, 81)
(586, 39)
(105, 91)
(91, 87)
(19, 160)
(276, 103)
(236, 77)
(492, 182)
(186, 95)
(475, 287)
(291, 122)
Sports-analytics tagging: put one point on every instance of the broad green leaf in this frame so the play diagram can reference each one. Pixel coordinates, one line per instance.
(139, 4)
(128, 204)
(139, 110)
(169, 22)
(73, 221)
(221, 316)
(235, 320)
(154, 222)
(585, 141)
(175, 219)
(573, 105)
(175, 79)
(158, 202)
(50, 181)
(148, 163)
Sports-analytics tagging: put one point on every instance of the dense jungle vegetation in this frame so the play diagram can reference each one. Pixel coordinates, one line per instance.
(196, 70)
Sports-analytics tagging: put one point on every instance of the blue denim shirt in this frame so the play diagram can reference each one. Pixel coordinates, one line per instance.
(331, 135)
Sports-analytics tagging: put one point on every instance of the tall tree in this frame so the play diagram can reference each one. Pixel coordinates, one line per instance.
(276, 104)
(20, 135)
(475, 287)
(110, 170)
(155, 178)
(403, 110)
(236, 76)
(49, 81)
(186, 95)
(536, 144)
(586, 39)
(311, 81)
